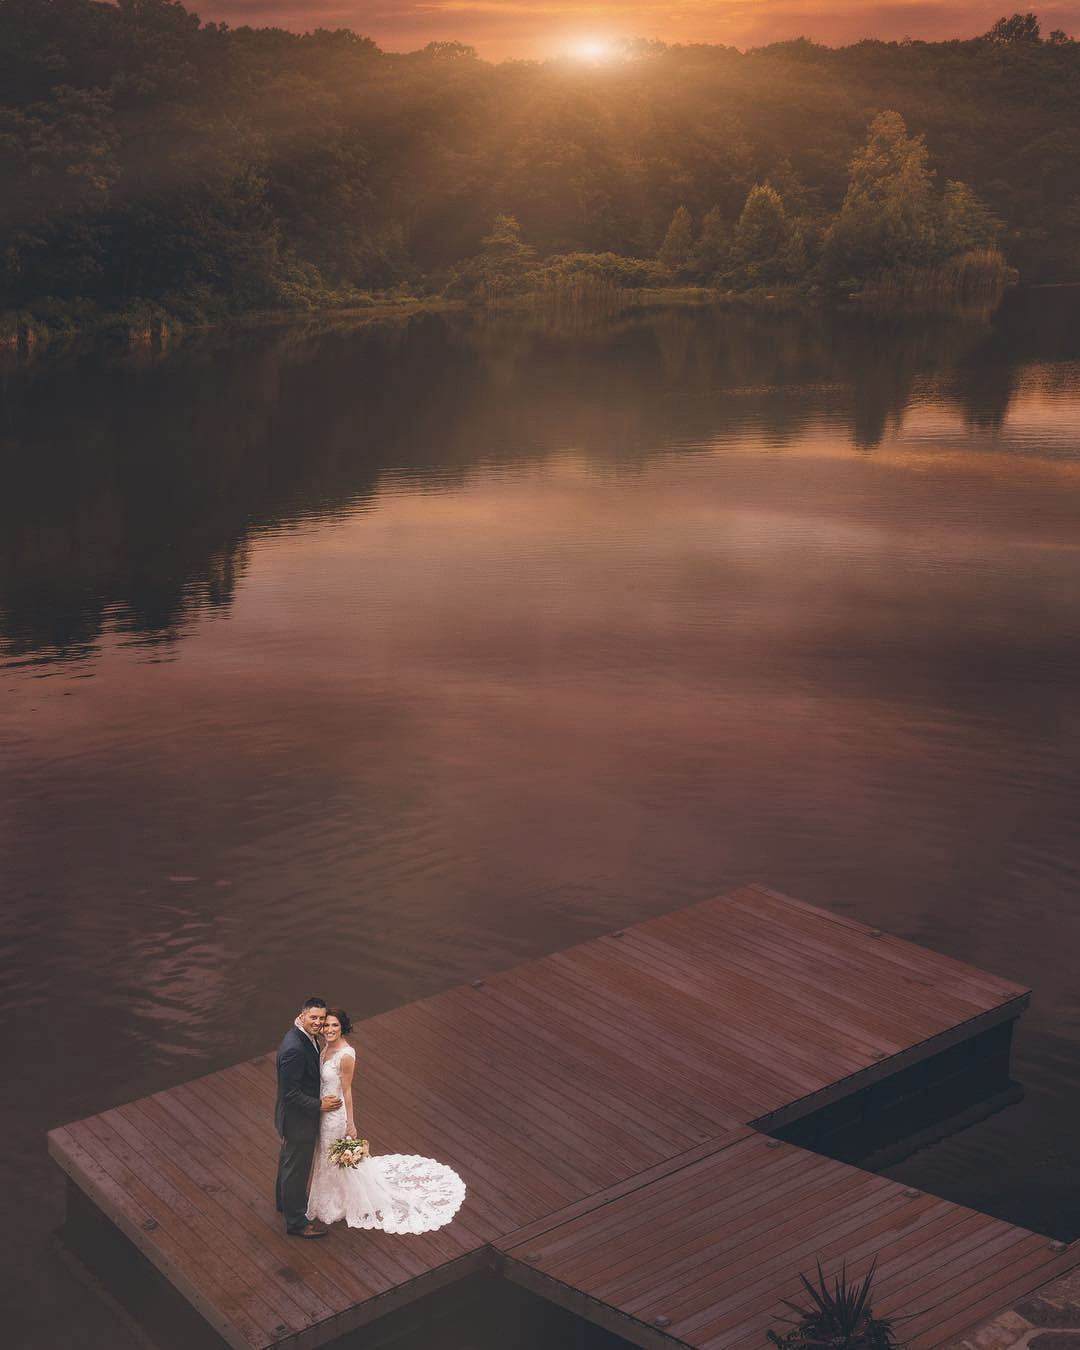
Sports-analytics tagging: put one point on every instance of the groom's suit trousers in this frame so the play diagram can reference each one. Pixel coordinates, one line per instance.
(294, 1168)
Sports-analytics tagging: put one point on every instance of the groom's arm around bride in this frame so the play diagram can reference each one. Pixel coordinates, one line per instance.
(296, 1115)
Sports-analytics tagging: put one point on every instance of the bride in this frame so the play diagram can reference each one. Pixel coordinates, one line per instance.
(399, 1193)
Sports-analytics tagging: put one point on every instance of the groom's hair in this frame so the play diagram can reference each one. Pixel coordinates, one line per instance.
(314, 1002)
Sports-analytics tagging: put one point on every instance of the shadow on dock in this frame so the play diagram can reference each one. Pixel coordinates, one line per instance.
(881, 1125)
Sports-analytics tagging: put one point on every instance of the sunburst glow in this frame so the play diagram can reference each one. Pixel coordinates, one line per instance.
(593, 50)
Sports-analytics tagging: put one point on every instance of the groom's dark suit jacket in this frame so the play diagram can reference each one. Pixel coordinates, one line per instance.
(296, 1114)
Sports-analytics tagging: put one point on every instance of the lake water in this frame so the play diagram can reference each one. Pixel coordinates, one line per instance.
(366, 660)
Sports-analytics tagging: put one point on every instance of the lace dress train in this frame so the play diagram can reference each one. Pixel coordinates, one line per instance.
(395, 1192)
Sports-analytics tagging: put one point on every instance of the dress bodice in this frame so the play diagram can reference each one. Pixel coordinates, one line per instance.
(330, 1071)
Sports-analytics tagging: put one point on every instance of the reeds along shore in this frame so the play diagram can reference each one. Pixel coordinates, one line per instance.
(580, 294)
(971, 279)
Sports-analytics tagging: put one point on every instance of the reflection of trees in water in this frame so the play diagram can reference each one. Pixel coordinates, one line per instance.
(884, 356)
(984, 394)
(1032, 326)
(130, 488)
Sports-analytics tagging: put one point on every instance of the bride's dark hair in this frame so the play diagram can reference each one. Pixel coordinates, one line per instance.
(343, 1017)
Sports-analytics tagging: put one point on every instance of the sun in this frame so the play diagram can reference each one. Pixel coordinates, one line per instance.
(595, 51)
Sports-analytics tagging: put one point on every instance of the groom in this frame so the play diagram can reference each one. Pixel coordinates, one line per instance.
(296, 1115)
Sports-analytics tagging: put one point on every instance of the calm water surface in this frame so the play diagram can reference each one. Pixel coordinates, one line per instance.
(368, 661)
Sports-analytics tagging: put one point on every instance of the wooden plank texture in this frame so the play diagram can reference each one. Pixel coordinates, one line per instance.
(709, 1251)
(599, 1104)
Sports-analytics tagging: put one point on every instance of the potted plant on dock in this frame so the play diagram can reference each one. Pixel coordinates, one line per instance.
(838, 1317)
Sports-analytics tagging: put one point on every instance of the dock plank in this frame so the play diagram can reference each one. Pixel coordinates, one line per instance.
(603, 1104)
(760, 1049)
(127, 1207)
(550, 1061)
(247, 1206)
(675, 1103)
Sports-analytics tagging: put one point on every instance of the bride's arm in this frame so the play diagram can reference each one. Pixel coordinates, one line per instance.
(348, 1063)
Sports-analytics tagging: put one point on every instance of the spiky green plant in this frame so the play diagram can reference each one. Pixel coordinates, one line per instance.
(838, 1316)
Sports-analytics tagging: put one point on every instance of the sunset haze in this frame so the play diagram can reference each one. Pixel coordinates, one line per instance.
(537, 29)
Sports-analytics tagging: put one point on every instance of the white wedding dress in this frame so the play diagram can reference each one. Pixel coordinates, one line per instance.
(397, 1192)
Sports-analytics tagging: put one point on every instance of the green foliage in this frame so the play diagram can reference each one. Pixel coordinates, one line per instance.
(503, 247)
(148, 157)
(612, 268)
(891, 219)
(712, 252)
(57, 166)
(967, 224)
(838, 1317)
(450, 51)
(886, 219)
(674, 253)
(767, 247)
(1020, 28)
(501, 267)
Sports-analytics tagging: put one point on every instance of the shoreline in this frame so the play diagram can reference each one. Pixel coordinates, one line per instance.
(30, 336)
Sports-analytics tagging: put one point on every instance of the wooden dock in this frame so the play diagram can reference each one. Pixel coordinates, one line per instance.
(610, 1107)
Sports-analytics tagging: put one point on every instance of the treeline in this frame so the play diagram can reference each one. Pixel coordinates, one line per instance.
(148, 159)
(891, 230)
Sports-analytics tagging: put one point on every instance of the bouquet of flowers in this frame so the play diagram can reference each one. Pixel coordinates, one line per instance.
(348, 1151)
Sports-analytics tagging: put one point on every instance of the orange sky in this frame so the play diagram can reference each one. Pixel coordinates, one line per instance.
(540, 28)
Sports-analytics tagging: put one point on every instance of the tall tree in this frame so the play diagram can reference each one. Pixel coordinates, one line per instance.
(767, 247)
(1019, 28)
(674, 252)
(966, 222)
(886, 219)
(712, 251)
(501, 266)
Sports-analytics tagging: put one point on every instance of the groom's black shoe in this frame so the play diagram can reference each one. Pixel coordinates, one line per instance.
(311, 1231)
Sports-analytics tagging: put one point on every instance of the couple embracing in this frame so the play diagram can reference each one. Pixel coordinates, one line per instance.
(322, 1175)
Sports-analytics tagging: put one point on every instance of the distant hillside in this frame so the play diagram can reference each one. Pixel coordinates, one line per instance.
(146, 157)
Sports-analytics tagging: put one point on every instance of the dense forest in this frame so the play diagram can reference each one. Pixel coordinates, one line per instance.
(150, 159)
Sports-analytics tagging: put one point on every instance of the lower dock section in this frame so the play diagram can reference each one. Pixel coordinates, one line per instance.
(705, 1255)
